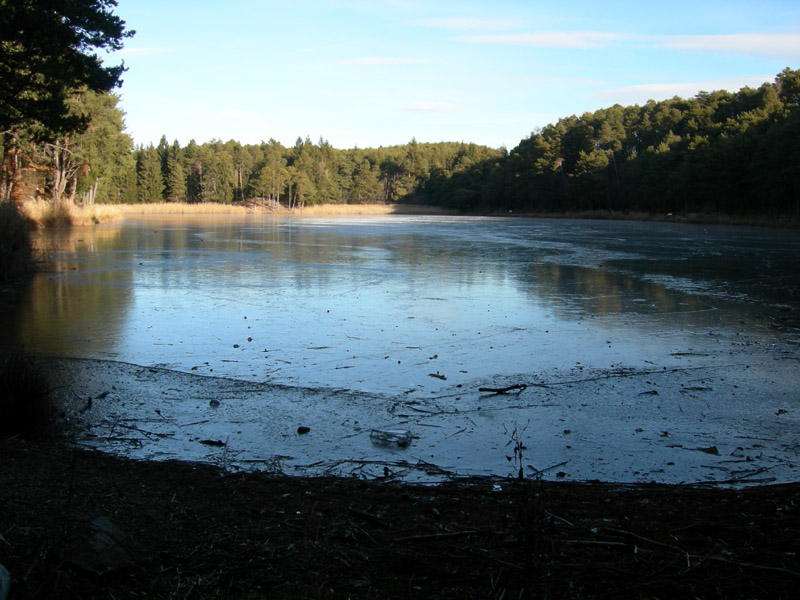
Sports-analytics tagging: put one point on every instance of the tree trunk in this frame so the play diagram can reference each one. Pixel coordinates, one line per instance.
(65, 170)
(73, 185)
(87, 198)
(8, 173)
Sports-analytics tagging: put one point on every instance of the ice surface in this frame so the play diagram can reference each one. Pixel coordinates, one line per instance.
(426, 310)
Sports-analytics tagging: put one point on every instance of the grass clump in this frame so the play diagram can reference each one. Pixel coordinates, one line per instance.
(46, 213)
(26, 406)
(16, 248)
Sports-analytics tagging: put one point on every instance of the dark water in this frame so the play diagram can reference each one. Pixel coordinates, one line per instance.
(396, 304)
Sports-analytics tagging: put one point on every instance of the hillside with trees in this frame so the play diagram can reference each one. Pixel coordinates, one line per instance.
(719, 152)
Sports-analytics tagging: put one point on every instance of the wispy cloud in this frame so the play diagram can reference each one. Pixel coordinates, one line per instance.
(640, 94)
(386, 60)
(470, 23)
(762, 44)
(786, 45)
(549, 39)
(431, 107)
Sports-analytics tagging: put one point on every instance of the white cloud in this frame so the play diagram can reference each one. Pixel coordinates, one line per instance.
(468, 23)
(640, 94)
(762, 44)
(385, 60)
(784, 45)
(549, 39)
(432, 107)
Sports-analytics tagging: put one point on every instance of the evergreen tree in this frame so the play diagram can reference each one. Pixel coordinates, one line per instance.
(104, 149)
(366, 186)
(149, 181)
(48, 51)
(163, 152)
(176, 176)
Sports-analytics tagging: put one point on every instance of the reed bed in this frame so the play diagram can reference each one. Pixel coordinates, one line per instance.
(54, 214)
(332, 210)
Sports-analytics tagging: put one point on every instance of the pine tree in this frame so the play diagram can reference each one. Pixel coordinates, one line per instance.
(163, 149)
(48, 51)
(176, 176)
(149, 182)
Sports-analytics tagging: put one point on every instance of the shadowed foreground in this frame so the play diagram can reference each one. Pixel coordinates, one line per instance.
(180, 530)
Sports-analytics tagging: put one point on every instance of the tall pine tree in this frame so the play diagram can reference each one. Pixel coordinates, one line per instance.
(149, 181)
(176, 175)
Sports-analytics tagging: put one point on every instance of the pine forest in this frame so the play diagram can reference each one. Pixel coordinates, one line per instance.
(718, 152)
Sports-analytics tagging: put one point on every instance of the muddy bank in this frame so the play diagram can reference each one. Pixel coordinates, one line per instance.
(187, 530)
(730, 419)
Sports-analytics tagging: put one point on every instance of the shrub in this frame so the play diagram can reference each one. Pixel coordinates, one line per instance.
(25, 399)
(16, 249)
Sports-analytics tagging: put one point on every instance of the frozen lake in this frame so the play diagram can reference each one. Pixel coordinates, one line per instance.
(422, 308)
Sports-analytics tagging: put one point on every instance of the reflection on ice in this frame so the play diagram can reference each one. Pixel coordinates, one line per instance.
(646, 342)
(365, 303)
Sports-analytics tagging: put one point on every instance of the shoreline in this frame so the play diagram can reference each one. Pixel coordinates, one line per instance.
(45, 214)
(171, 529)
(254, 425)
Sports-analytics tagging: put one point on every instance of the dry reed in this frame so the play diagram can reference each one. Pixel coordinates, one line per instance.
(332, 210)
(49, 214)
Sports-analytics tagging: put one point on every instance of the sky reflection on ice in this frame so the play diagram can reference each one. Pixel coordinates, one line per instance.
(406, 304)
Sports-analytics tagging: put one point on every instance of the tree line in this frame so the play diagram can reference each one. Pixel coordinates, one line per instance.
(731, 153)
(303, 174)
(721, 152)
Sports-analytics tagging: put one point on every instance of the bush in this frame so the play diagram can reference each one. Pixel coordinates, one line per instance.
(16, 249)
(26, 406)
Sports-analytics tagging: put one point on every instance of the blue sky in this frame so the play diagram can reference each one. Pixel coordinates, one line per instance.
(371, 73)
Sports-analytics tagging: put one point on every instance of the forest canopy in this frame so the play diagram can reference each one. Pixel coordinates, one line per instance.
(47, 52)
(54, 87)
(734, 153)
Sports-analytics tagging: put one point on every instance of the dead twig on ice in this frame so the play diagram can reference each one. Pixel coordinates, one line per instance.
(436, 536)
(519, 387)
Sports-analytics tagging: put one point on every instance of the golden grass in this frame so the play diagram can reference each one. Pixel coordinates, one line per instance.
(181, 208)
(319, 210)
(49, 214)
(333, 210)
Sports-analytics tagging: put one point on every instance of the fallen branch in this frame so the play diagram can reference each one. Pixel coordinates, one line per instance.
(518, 386)
(750, 565)
(641, 538)
(462, 430)
(540, 471)
(436, 536)
(741, 478)
(148, 434)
